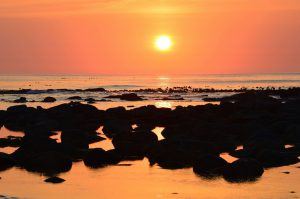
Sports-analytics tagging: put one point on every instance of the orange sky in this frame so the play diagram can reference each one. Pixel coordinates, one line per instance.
(116, 36)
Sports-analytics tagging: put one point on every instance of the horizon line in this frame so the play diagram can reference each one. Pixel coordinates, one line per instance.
(73, 74)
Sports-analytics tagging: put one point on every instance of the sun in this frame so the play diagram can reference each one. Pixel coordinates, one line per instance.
(163, 43)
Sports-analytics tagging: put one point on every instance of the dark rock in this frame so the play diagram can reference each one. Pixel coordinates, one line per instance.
(75, 98)
(39, 140)
(211, 99)
(17, 109)
(262, 141)
(130, 97)
(95, 90)
(171, 159)
(173, 98)
(252, 99)
(136, 143)
(209, 166)
(79, 139)
(10, 141)
(115, 127)
(192, 145)
(272, 158)
(21, 117)
(150, 115)
(294, 150)
(74, 139)
(6, 161)
(54, 180)
(75, 115)
(50, 162)
(31, 145)
(90, 100)
(119, 112)
(170, 155)
(2, 118)
(292, 132)
(49, 99)
(96, 158)
(21, 100)
(127, 97)
(240, 153)
(243, 170)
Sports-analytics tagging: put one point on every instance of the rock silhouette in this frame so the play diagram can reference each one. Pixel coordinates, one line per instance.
(243, 170)
(54, 180)
(194, 136)
(49, 99)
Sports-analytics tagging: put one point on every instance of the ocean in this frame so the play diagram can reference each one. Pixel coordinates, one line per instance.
(112, 82)
(63, 87)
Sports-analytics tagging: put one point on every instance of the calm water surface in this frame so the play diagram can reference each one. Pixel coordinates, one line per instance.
(139, 179)
(135, 82)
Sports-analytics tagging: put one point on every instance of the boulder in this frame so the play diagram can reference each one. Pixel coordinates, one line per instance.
(262, 141)
(10, 141)
(115, 127)
(127, 97)
(75, 98)
(2, 118)
(20, 100)
(49, 99)
(54, 180)
(95, 90)
(90, 100)
(79, 139)
(98, 157)
(168, 156)
(50, 162)
(119, 112)
(74, 139)
(243, 170)
(209, 166)
(272, 158)
(75, 115)
(33, 145)
(135, 143)
(6, 161)
(21, 117)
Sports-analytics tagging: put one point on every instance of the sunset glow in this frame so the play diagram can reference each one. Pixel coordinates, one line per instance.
(163, 43)
(120, 36)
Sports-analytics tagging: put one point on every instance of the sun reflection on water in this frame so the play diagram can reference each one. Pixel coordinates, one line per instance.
(163, 81)
(163, 104)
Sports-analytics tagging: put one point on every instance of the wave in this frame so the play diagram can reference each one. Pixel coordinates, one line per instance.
(185, 89)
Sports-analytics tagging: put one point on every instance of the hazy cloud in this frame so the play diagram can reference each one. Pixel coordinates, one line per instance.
(46, 7)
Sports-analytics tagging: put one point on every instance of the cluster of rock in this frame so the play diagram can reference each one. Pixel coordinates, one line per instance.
(24, 100)
(195, 136)
(89, 100)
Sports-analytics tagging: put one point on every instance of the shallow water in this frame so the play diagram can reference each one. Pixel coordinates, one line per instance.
(113, 82)
(137, 179)
(115, 85)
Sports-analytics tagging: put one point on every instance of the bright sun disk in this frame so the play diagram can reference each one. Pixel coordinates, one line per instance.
(163, 43)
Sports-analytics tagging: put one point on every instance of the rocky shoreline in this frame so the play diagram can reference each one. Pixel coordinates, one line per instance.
(266, 127)
(185, 89)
